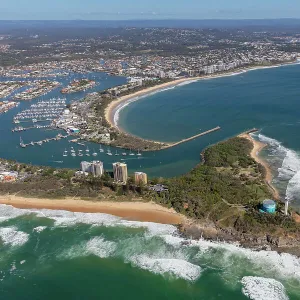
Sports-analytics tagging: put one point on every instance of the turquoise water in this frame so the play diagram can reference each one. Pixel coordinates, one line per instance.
(62, 255)
(267, 99)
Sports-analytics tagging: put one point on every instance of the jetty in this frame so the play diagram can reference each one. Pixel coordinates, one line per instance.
(193, 137)
(40, 143)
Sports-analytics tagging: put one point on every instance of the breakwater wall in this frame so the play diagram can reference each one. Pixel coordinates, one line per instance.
(193, 137)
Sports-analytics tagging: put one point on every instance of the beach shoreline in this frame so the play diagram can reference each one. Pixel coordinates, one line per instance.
(257, 148)
(133, 211)
(114, 108)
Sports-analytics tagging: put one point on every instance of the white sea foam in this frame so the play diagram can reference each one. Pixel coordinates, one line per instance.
(268, 262)
(258, 288)
(188, 82)
(176, 267)
(97, 246)
(282, 265)
(290, 168)
(39, 228)
(64, 218)
(8, 212)
(293, 188)
(11, 236)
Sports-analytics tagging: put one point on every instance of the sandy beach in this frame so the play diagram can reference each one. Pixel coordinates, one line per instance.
(135, 211)
(257, 147)
(113, 108)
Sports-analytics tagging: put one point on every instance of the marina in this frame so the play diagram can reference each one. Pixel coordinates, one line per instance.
(44, 110)
(20, 128)
(41, 142)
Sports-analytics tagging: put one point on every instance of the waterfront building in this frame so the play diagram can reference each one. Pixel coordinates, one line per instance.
(97, 168)
(120, 172)
(86, 166)
(140, 177)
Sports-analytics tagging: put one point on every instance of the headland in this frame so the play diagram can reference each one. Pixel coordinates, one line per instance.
(114, 107)
(218, 200)
(257, 148)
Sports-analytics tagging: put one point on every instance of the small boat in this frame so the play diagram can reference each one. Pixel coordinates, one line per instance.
(40, 143)
(131, 153)
(109, 152)
(100, 149)
(65, 153)
(22, 143)
(87, 150)
(124, 153)
(139, 154)
(117, 154)
(73, 154)
(95, 153)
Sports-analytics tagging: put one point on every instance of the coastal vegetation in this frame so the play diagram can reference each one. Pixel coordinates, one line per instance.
(227, 188)
(224, 192)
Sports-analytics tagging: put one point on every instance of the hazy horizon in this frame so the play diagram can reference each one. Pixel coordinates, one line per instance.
(141, 9)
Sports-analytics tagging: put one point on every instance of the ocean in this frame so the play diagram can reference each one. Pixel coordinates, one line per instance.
(62, 255)
(57, 254)
(267, 99)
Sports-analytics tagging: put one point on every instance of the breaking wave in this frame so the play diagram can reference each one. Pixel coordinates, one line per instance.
(289, 166)
(258, 288)
(176, 267)
(39, 228)
(96, 246)
(157, 248)
(11, 236)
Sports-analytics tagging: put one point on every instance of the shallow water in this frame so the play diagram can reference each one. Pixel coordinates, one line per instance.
(57, 254)
(267, 99)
